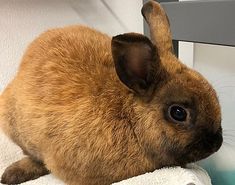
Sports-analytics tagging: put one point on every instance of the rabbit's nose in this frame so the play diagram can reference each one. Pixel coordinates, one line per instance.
(218, 140)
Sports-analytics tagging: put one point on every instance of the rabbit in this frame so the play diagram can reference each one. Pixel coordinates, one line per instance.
(94, 110)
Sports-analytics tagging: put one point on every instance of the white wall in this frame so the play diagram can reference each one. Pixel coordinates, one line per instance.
(217, 64)
(22, 20)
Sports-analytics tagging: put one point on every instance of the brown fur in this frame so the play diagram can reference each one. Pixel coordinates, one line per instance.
(23, 170)
(68, 108)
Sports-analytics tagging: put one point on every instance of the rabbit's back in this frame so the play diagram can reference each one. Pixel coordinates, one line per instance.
(62, 59)
(60, 80)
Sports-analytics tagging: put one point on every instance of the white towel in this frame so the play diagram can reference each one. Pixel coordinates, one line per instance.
(193, 175)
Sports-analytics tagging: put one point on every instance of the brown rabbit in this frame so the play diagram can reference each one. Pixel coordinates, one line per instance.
(94, 110)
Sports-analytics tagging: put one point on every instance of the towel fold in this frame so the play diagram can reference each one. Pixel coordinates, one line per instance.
(192, 175)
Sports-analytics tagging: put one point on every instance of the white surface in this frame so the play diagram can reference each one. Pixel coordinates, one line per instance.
(186, 53)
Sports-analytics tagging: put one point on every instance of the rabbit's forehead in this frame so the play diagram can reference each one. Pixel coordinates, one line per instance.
(183, 77)
(187, 86)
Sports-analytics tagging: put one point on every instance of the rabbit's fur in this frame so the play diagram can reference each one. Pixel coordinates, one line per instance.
(94, 111)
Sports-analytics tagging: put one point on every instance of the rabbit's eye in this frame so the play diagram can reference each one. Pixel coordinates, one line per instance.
(177, 113)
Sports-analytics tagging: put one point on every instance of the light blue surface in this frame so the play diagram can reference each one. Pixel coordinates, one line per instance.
(222, 177)
(218, 177)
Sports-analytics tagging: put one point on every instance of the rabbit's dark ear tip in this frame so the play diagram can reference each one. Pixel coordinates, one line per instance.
(131, 38)
(147, 9)
(118, 37)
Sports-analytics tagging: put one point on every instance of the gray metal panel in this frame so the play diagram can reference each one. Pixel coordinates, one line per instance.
(203, 21)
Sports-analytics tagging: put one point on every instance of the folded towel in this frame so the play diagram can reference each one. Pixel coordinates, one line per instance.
(192, 175)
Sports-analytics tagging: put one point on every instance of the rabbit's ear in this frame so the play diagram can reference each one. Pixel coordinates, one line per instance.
(159, 26)
(136, 61)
